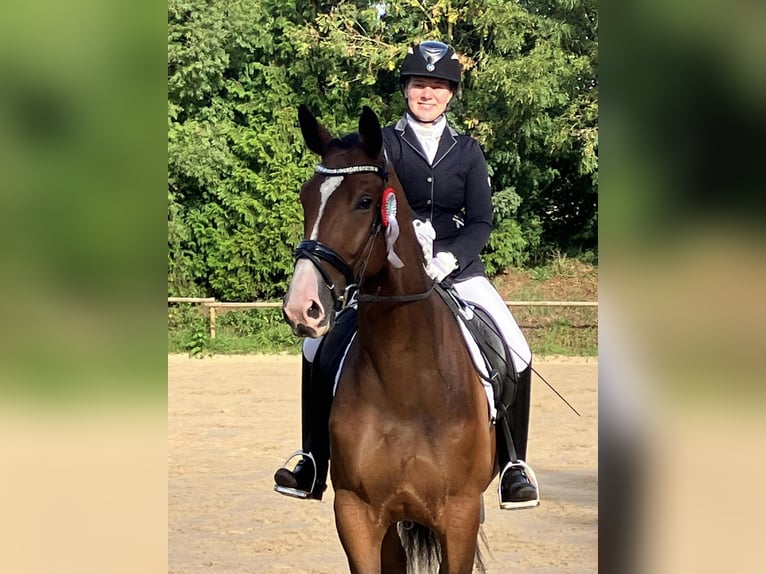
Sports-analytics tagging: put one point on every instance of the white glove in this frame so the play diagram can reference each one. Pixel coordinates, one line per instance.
(442, 265)
(425, 233)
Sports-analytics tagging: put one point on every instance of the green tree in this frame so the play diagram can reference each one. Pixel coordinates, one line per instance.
(238, 70)
(235, 159)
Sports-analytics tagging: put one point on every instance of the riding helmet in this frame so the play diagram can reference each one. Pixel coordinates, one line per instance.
(432, 60)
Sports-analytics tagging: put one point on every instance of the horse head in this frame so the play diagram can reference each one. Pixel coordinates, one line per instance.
(350, 208)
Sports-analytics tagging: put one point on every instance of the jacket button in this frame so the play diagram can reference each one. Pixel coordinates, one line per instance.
(428, 202)
(429, 179)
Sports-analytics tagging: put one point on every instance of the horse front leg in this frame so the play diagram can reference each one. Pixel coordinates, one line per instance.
(458, 535)
(360, 533)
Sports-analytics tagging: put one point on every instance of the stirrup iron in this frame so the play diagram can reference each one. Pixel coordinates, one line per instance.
(532, 479)
(294, 492)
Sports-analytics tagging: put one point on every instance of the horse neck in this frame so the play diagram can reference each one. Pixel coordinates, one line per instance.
(404, 343)
(387, 320)
(392, 334)
(411, 278)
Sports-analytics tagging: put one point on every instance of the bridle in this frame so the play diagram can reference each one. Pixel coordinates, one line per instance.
(316, 251)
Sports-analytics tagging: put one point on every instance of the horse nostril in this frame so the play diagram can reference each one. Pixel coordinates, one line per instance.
(314, 311)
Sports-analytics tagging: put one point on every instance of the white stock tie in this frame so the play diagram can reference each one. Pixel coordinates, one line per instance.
(428, 136)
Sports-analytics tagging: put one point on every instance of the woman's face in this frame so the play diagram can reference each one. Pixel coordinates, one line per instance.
(427, 98)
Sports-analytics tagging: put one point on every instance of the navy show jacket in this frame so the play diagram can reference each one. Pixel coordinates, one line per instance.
(453, 193)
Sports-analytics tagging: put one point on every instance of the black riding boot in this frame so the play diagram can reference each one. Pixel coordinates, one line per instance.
(309, 477)
(317, 385)
(516, 490)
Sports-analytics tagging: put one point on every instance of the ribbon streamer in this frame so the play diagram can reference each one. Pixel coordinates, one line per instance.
(389, 208)
(392, 234)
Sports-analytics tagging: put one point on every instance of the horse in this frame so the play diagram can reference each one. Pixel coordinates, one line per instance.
(413, 447)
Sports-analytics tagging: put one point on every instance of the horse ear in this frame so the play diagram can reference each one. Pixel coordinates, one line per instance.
(369, 132)
(314, 134)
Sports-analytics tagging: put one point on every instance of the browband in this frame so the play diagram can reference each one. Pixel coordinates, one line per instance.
(348, 170)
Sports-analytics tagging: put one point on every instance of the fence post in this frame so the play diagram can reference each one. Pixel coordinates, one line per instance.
(212, 321)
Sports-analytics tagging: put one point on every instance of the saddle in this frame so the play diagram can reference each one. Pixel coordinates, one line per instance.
(498, 363)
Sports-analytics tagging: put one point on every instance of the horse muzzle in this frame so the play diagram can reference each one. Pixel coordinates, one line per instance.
(308, 306)
(307, 329)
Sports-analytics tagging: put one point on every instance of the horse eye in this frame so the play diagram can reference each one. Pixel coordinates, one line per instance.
(364, 203)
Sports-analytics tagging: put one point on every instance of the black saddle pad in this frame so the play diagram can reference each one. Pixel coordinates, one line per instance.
(334, 345)
(495, 352)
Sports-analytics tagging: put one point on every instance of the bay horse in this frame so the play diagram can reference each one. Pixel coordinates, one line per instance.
(411, 439)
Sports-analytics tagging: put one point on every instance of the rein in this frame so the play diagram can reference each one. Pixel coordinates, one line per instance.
(368, 298)
(316, 251)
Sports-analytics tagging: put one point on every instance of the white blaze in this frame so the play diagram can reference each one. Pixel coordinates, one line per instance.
(325, 191)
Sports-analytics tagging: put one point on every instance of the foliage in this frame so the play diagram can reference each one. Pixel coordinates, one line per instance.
(238, 70)
(198, 344)
(237, 331)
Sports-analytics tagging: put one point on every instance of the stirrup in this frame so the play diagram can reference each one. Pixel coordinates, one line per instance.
(532, 480)
(295, 492)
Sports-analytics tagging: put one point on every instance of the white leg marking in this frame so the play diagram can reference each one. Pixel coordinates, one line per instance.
(325, 190)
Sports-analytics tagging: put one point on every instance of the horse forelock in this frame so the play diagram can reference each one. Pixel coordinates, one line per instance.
(347, 151)
(346, 141)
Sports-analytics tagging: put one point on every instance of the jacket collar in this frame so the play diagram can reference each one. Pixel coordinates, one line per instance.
(447, 142)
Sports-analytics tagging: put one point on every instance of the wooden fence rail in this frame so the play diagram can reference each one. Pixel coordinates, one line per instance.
(212, 305)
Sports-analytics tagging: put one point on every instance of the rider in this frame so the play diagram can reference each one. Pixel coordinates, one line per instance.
(444, 175)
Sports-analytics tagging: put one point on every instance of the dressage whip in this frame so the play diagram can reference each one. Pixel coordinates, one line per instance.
(558, 394)
(555, 391)
(550, 386)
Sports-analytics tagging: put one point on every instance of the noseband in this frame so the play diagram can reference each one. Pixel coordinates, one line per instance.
(316, 251)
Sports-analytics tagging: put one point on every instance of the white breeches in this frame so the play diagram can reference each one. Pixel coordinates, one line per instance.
(479, 291)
